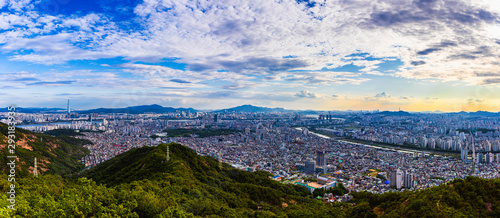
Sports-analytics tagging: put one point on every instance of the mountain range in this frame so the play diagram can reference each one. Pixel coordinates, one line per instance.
(155, 108)
(252, 109)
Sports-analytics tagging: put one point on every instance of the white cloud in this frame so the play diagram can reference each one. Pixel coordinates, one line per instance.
(241, 45)
(305, 94)
(19, 5)
(379, 97)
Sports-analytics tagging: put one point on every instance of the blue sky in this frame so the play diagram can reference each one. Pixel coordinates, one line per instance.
(415, 55)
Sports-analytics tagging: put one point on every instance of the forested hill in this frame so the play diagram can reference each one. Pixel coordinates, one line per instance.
(59, 155)
(189, 171)
(469, 197)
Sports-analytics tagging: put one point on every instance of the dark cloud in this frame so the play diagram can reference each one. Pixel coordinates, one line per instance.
(200, 67)
(463, 56)
(416, 63)
(64, 82)
(266, 64)
(482, 51)
(487, 74)
(428, 51)
(388, 18)
(25, 79)
(437, 47)
(67, 94)
(233, 86)
(491, 81)
(229, 27)
(431, 11)
(255, 64)
(179, 81)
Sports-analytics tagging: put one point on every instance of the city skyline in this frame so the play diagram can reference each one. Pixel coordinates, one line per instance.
(424, 55)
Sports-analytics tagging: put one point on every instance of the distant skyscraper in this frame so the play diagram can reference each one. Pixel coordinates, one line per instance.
(216, 118)
(69, 110)
(310, 166)
(489, 158)
(320, 158)
(396, 178)
(463, 154)
(408, 179)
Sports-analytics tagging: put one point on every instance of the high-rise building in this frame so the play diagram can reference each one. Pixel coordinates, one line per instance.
(396, 178)
(479, 158)
(68, 108)
(320, 158)
(310, 166)
(216, 118)
(490, 157)
(399, 179)
(463, 154)
(408, 179)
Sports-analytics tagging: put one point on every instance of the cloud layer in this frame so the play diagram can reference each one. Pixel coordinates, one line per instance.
(249, 48)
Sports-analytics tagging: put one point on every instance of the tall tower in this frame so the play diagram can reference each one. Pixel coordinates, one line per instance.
(35, 171)
(68, 108)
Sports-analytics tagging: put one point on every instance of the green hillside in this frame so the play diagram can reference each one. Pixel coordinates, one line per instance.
(470, 197)
(198, 177)
(60, 155)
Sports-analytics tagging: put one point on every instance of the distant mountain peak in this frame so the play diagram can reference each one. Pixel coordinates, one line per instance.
(248, 108)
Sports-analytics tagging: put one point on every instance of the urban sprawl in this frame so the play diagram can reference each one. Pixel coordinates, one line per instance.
(376, 151)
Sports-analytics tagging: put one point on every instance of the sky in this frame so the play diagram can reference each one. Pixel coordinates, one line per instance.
(413, 55)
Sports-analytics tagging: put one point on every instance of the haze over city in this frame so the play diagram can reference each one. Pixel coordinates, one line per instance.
(423, 55)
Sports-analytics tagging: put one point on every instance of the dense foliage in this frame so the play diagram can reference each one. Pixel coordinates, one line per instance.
(469, 197)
